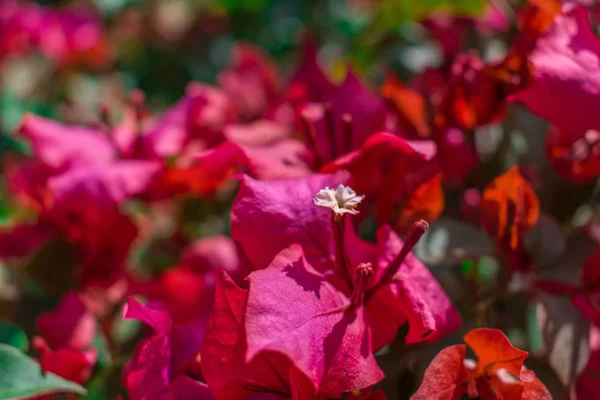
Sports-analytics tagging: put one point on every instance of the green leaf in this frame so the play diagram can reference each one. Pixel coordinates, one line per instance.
(13, 336)
(21, 377)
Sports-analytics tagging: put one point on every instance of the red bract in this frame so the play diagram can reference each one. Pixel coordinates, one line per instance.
(509, 208)
(498, 372)
(187, 290)
(472, 97)
(65, 345)
(565, 62)
(70, 325)
(204, 173)
(151, 373)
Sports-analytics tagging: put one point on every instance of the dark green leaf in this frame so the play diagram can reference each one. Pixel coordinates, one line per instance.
(13, 336)
(21, 377)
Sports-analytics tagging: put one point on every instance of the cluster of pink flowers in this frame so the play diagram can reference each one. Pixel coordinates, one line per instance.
(67, 36)
(294, 303)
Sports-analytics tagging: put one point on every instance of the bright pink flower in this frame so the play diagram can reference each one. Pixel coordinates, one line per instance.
(294, 311)
(153, 372)
(284, 211)
(252, 81)
(565, 62)
(197, 120)
(321, 326)
(74, 36)
(344, 122)
(66, 36)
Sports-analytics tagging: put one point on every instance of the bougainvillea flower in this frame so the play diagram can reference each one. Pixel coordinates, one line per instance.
(17, 36)
(203, 173)
(497, 373)
(196, 120)
(70, 325)
(110, 183)
(59, 145)
(74, 36)
(281, 160)
(309, 84)
(150, 373)
(426, 202)
(252, 81)
(66, 36)
(563, 58)
(79, 152)
(331, 349)
(65, 345)
(186, 291)
(509, 208)
(286, 211)
(471, 98)
(213, 254)
(327, 341)
(257, 134)
(345, 121)
(565, 61)
(74, 365)
(391, 169)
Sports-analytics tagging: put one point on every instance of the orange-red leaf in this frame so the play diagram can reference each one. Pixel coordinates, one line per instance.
(509, 207)
(427, 202)
(409, 104)
(445, 378)
(494, 351)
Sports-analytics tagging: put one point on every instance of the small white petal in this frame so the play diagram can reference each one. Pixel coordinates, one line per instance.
(341, 200)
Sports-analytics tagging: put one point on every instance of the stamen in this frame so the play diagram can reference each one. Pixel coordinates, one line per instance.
(347, 129)
(310, 137)
(330, 128)
(418, 229)
(362, 277)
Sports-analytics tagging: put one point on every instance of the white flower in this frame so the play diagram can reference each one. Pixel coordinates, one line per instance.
(341, 200)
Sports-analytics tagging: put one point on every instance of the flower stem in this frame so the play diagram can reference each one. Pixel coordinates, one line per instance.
(341, 258)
